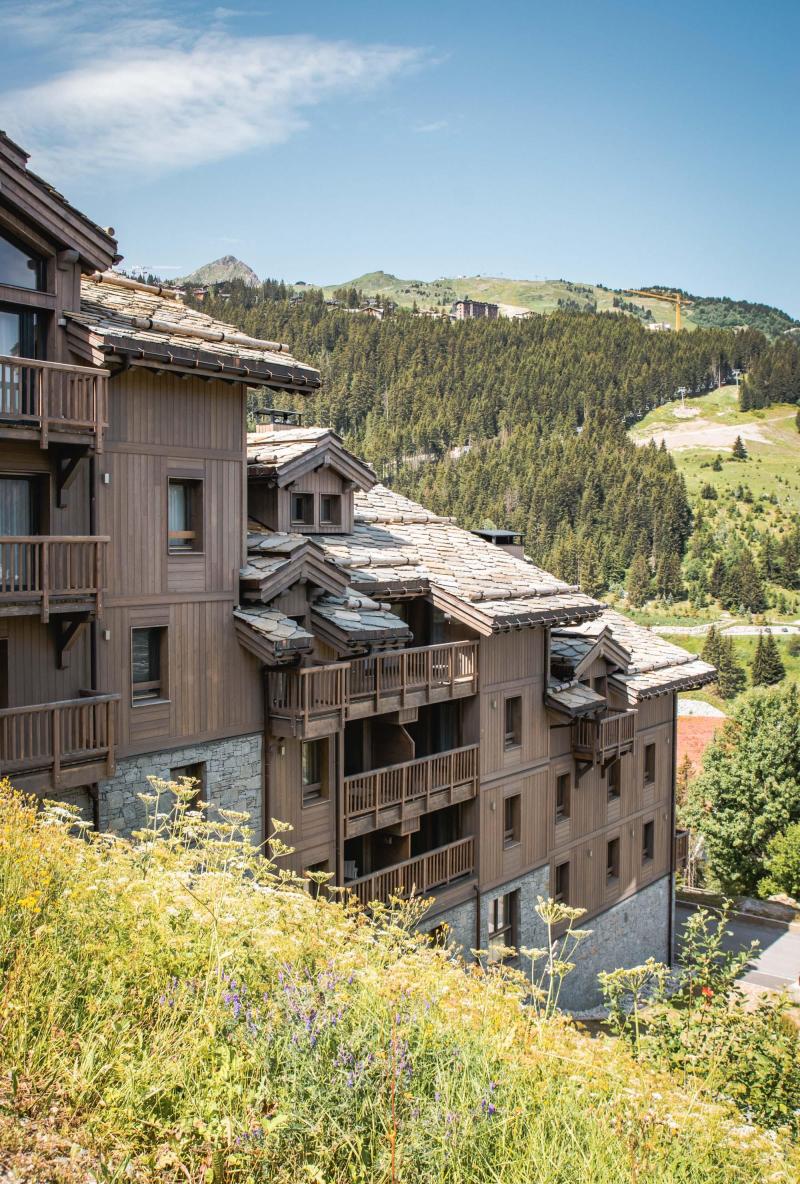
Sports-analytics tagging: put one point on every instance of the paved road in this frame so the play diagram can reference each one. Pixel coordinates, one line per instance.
(730, 630)
(777, 964)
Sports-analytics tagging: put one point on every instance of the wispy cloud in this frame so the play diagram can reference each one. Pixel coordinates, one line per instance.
(151, 94)
(426, 128)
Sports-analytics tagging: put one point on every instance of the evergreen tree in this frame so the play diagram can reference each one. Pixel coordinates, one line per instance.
(638, 585)
(710, 650)
(749, 790)
(731, 678)
(767, 668)
(669, 582)
(739, 452)
(591, 574)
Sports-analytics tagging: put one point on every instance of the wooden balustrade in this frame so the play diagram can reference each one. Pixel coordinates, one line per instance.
(40, 398)
(57, 745)
(41, 571)
(417, 877)
(416, 787)
(600, 740)
(316, 700)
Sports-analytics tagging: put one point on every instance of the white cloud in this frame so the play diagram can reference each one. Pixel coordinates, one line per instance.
(439, 126)
(149, 95)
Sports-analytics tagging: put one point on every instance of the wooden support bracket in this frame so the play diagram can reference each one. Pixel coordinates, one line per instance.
(66, 469)
(66, 630)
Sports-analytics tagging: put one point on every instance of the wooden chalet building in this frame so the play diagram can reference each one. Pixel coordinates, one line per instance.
(429, 711)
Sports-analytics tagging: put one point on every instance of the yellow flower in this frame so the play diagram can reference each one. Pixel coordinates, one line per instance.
(30, 902)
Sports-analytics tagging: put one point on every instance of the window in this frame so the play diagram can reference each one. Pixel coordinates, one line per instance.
(148, 664)
(513, 722)
(648, 841)
(330, 509)
(185, 515)
(563, 796)
(649, 764)
(561, 883)
(599, 685)
(315, 771)
(21, 268)
(511, 820)
(614, 776)
(17, 506)
(612, 861)
(502, 924)
(196, 773)
(302, 509)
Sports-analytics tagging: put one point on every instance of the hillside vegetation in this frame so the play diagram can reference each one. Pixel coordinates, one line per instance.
(519, 424)
(172, 1010)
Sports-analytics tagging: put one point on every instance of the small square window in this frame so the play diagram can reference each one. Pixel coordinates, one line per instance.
(561, 883)
(185, 515)
(302, 509)
(502, 924)
(513, 722)
(614, 780)
(599, 685)
(648, 841)
(563, 796)
(649, 764)
(511, 820)
(196, 773)
(330, 509)
(315, 771)
(148, 664)
(612, 861)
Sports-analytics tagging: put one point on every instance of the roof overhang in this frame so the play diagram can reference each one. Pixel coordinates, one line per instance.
(50, 212)
(307, 564)
(330, 453)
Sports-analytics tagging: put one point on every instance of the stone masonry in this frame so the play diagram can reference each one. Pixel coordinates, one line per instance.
(625, 935)
(233, 780)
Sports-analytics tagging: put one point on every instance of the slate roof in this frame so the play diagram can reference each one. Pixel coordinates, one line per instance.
(282, 455)
(656, 666)
(356, 619)
(575, 699)
(269, 634)
(138, 320)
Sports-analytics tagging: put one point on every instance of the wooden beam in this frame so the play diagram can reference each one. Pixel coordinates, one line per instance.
(65, 631)
(66, 470)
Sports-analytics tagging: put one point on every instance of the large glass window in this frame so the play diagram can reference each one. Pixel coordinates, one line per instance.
(315, 771)
(502, 924)
(185, 515)
(20, 267)
(21, 333)
(16, 506)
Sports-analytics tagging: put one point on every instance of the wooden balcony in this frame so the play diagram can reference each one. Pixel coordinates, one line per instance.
(420, 876)
(46, 401)
(316, 700)
(61, 745)
(600, 741)
(47, 574)
(680, 850)
(397, 793)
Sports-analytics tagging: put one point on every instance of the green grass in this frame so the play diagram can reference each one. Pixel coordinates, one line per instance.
(173, 1011)
(744, 648)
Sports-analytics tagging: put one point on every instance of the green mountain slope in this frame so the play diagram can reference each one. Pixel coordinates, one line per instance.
(543, 296)
(222, 271)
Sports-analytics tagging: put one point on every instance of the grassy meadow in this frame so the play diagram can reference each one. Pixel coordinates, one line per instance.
(174, 1010)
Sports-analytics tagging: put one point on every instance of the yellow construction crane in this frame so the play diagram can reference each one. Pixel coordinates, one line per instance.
(675, 298)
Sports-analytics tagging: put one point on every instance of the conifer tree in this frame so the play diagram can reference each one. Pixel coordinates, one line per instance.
(669, 581)
(638, 586)
(710, 650)
(591, 574)
(731, 678)
(767, 668)
(739, 452)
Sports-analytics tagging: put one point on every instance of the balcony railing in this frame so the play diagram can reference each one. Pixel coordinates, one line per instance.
(389, 795)
(680, 856)
(58, 745)
(315, 700)
(43, 572)
(601, 740)
(417, 877)
(47, 398)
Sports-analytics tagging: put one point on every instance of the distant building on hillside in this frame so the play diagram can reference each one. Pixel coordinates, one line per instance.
(658, 326)
(470, 310)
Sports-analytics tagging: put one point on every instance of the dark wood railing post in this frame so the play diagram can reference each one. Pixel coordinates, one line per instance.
(45, 581)
(56, 746)
(42, 384)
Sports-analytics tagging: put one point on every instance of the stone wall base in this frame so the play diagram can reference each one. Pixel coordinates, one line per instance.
(233, 780)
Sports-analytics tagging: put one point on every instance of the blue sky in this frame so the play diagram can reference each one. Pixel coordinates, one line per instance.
(618, 141)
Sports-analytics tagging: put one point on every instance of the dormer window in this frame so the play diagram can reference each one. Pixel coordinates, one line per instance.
(302, 509)
(20, 268)
(330, 509)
